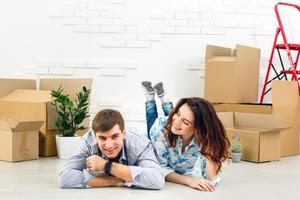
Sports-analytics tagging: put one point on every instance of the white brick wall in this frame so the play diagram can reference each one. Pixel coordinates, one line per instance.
(122, 42)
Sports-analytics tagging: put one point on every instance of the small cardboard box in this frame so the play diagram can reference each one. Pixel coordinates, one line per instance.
(19, 141)
(259, 134)
(231, 75)
(286, 102)
(35, 105)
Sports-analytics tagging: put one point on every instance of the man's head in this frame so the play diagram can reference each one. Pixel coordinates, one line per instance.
(108, 126)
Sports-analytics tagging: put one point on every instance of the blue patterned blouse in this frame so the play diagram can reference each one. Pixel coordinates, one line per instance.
(189, 163)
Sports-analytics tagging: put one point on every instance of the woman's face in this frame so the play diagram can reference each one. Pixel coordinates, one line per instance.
(183, 122)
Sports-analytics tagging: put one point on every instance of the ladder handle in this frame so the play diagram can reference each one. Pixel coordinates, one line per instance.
(279, 18)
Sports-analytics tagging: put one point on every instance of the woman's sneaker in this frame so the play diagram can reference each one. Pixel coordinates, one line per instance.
(147, 87)
(159, 88)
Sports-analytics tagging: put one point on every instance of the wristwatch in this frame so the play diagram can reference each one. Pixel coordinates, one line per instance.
(107, 167)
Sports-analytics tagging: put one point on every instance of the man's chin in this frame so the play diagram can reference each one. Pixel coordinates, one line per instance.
(111, 155)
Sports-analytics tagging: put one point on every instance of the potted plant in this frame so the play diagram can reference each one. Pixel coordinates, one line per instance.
(70, 115)
(236, 149)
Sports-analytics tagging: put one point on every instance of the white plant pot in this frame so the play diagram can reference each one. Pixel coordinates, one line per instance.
(66, 146)
(236, 157)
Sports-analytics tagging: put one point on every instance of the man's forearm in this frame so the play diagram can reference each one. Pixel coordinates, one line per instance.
(105, 181)
(121, 171)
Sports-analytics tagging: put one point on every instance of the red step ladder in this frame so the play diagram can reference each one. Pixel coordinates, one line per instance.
(288, 47)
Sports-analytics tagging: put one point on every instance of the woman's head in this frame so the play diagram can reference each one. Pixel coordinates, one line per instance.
(196, 117)
(183, 121)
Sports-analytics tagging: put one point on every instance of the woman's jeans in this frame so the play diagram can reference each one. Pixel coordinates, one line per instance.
(151, 112)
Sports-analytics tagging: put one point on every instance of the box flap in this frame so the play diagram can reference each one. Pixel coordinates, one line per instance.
(4, 125)
(222, 59)
(51, 117)
(246, 53)
(212, 51)
(71, 86)
(10, 85)
(33, 96)
(28, 126)
(226, 119)
(257, 121)
(275, 130)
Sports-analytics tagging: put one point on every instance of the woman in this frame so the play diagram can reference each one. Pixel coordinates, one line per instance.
(189, 141)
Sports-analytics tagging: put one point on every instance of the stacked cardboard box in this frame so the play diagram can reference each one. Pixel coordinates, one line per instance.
(231, 84)
(231, 75)
(259, 134)
(24, 102)
(19, 140)
(286, 103)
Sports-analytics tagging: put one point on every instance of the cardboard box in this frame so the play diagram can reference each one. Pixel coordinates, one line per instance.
(8, 85)
(231, 75)
(259, 134)
(244, 108)
(286, 103)
(35, 105)
(19, 140)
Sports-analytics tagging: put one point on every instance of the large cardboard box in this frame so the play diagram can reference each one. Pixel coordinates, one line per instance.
(244, 108)
(259, 134)
(19, 141)
(285, 102)
(231, 75)
(35, 105)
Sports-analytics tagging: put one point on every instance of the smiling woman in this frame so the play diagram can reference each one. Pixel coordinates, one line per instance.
(189, 141)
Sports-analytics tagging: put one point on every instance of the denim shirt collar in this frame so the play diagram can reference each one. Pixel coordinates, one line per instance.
(192, 144)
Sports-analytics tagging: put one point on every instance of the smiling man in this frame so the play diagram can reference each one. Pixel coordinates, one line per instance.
(111, 156)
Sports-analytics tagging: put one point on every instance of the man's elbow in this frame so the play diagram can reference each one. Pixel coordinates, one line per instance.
(66, 181)
(160, 184)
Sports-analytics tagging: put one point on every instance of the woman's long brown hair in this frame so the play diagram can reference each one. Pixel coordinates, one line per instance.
(208, 131)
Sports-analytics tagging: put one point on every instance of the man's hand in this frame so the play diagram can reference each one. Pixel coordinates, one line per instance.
(200, 184)
(95, 163)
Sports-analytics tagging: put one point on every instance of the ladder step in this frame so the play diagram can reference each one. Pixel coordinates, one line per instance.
(295, 47)
(290, 71)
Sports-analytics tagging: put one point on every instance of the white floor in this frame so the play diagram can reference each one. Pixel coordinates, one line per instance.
(273, 180)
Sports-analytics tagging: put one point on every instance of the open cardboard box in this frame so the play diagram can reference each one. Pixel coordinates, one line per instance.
(19, 141)
(286, 102)
(35, 104)
(259, 134)
(231, 75)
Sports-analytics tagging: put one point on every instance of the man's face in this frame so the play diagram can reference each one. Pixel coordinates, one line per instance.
(111, 142)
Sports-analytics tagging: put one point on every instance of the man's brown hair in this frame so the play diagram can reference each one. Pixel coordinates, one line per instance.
(106, 119)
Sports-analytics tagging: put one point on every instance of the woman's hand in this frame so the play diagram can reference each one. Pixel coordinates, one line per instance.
(200, 184)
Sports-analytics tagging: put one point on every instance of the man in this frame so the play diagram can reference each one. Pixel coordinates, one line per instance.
(110, 156)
